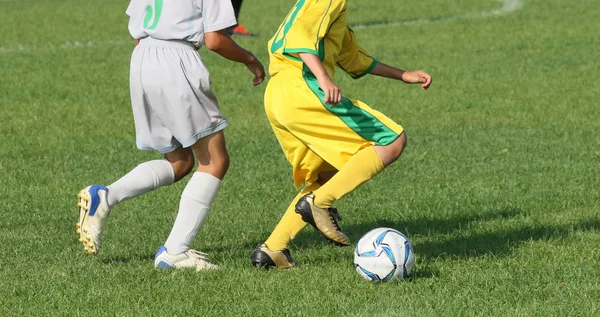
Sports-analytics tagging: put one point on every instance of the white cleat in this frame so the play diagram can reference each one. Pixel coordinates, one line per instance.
(93, 211)
(189, 259)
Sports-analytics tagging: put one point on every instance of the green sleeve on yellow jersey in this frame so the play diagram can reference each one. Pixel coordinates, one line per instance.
(353, 59)
(310, 26)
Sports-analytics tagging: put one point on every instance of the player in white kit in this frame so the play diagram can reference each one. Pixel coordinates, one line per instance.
(175, 113)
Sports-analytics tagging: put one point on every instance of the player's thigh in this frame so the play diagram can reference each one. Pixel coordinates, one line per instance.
(177, 84)
(278, 108)
(306, 164)
(335, 133)
(151, 133)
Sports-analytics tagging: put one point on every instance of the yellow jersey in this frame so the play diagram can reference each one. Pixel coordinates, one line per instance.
(318, 27)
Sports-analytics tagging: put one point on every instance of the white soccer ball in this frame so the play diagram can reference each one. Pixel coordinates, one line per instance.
(383, 254)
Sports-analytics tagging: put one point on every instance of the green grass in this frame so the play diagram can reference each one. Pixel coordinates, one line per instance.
(497, 190)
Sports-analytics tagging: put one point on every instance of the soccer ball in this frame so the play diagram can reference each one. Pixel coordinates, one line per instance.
(383, 254)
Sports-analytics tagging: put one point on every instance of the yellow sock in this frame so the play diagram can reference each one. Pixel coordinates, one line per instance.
(290, 224)
(361, 167)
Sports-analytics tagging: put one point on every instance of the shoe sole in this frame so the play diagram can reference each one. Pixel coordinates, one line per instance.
(84, 203)
(305, 211)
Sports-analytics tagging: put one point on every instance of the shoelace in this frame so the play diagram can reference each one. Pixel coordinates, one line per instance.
(198, 254)
(335, 217)
(202, 259)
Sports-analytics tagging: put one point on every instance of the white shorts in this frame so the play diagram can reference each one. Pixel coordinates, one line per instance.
(171, 98)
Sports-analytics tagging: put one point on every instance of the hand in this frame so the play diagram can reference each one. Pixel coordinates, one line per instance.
(256, 68)
(333, 93)
(417, 77)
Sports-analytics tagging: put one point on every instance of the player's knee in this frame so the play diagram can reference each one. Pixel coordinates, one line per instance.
(324, 177)
(396, 148)
(182, 161)
(223, 163)
(216, 165)
(399, 145)
(182, 168)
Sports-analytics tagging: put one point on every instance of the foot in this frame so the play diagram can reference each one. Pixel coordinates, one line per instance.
(241, 30)
(266, 258)
(189, 259)
(93, 211)
(324, 220)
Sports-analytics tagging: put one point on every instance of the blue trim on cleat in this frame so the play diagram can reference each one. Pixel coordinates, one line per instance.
(163, 265)
(95, 198)
(160, 251)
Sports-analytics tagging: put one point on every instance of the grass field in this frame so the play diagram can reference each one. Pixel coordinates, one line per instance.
(498, 189)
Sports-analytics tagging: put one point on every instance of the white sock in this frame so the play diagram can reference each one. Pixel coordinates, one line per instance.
(143, 178)
(195, 203)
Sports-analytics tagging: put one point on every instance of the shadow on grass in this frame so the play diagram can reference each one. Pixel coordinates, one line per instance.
(127, 259)
(420, 272)
(454, 238)
(215, 251)
(499, 242)
(438, 238)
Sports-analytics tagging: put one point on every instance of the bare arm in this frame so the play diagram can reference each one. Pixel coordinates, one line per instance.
(223, 45)
(333, 93)
(416, 77)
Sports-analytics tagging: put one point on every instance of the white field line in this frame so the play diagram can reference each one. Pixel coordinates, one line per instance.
(508, 6)
(65, 45)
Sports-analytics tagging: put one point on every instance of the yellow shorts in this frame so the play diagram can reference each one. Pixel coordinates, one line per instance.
(316, 137)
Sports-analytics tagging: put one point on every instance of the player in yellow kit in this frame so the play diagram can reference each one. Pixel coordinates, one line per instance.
(334, 144)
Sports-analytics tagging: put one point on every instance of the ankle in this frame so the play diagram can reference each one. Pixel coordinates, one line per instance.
(323, 201)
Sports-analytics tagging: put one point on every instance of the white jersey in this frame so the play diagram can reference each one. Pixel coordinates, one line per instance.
(185, 20)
